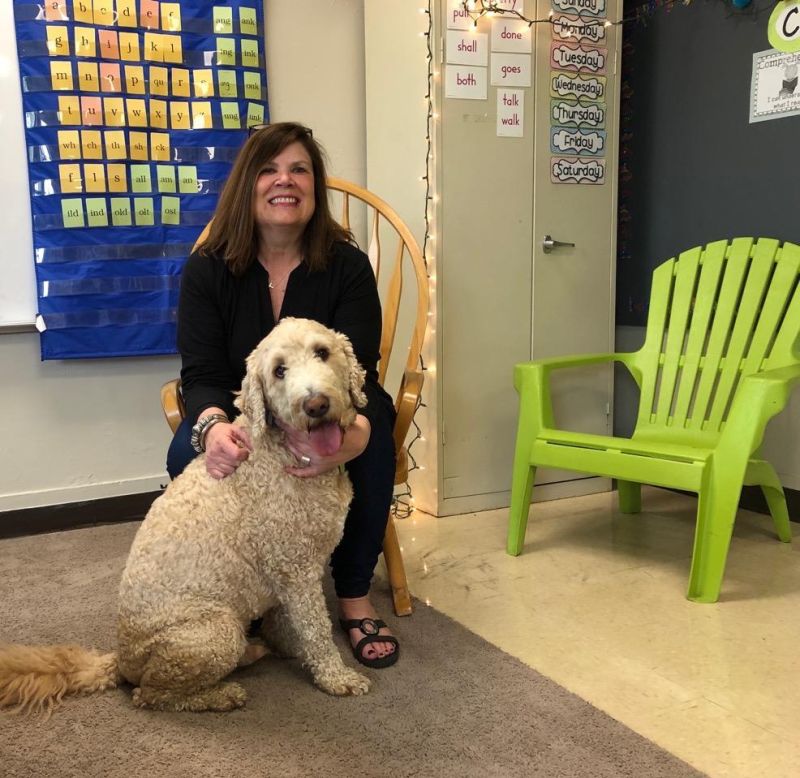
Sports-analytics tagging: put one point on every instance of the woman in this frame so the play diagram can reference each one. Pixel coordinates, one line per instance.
(274, 250)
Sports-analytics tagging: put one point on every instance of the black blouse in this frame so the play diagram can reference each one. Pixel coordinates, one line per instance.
(222, 318)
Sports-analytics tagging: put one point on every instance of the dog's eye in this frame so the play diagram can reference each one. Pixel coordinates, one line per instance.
(322, 353)
(279, 371)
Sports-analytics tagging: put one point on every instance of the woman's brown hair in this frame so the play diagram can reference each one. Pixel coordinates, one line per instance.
(233, 234)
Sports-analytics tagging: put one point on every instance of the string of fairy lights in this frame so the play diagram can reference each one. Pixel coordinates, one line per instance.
(479, 8)
(643, 10)
(403, 504)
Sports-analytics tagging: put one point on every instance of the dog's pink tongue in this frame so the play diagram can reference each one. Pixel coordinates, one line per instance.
(326, 438)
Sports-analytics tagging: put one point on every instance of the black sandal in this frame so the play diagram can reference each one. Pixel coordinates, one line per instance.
(371, 629)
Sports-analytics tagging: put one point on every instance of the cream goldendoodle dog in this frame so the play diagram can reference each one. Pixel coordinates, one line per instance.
(212, 555)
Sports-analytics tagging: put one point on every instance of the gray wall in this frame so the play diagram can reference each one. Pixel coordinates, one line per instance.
(699, 170)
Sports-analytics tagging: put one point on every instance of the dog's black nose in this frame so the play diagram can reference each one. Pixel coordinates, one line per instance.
(316, 406)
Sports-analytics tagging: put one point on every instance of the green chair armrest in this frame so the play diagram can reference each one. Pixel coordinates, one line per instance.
(531, 380)
(759, 397)
(787, 376)
(545, 366)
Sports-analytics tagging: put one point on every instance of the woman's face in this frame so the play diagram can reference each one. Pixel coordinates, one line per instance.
(284, 192)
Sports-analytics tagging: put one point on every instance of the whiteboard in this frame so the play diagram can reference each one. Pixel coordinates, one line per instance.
(17, 276)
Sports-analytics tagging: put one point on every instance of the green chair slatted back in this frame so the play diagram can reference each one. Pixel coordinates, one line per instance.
(716, 314)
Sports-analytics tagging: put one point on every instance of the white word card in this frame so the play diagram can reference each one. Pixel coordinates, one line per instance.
(513, 35)
(458, 17)
(467, 48)
(468, 83)
(511, 69)
(510, 112)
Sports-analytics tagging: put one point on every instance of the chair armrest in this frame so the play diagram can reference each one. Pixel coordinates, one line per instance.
(783, 376)
(546, 366)
(406, 405)
(172, 403)
(532, 382)
(759, 397)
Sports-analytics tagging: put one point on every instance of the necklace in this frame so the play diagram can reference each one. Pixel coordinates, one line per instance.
(283, 278)
(276, 283)
(280, 282)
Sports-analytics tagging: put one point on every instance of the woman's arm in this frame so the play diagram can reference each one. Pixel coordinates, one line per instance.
(206, 377)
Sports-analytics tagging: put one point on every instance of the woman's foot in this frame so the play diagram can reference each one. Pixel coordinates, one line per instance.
(357, 608)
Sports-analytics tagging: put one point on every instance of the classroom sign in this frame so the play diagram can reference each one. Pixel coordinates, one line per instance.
(784, 26)
(578, 67)
(773, 87)
(134, 111)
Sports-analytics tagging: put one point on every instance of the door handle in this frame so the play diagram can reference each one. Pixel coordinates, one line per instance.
(548, 244)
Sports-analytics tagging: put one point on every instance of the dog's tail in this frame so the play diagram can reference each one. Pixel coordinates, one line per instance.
(34, 679)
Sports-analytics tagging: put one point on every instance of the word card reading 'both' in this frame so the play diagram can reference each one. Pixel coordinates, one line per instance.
(468, 83)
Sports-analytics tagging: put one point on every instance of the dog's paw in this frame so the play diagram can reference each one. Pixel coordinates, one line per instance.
(345, 682)
(229, 697)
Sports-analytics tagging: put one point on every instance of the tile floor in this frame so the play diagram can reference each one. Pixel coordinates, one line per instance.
(596, 602)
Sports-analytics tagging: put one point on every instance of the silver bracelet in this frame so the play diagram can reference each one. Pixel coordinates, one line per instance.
(200, 430)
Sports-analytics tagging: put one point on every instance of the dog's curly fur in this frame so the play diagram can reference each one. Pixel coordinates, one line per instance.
(212, 555)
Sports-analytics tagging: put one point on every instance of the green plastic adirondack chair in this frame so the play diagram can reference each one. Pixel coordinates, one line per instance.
(719, 360)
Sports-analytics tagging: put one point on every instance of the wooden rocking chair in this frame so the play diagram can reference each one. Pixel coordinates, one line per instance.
(381, 220)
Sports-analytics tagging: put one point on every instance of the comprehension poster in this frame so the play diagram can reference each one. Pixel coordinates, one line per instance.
(134, 111)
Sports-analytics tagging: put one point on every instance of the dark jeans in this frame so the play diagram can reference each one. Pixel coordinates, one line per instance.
(372, 474)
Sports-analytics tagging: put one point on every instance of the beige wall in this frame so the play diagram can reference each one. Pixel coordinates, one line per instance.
(84, 429)
(315, 63)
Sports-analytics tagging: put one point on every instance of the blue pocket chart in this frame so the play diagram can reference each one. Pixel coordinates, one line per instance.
(133, 112)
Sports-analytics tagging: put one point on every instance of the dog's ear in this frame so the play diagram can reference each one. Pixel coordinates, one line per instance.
(357, 373)
(250, 400)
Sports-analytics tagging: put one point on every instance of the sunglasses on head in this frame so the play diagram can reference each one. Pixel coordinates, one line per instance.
(256, 127)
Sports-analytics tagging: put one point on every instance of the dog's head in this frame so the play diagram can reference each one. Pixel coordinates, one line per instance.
(307, 376)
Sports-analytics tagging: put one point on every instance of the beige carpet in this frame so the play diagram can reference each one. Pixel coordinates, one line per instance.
(453, 706)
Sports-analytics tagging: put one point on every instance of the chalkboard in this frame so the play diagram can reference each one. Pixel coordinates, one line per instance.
(698, 170)
(17, 277)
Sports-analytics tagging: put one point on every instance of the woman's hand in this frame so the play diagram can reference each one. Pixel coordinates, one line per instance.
(354, 441)
(227, 446)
